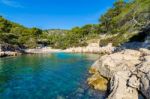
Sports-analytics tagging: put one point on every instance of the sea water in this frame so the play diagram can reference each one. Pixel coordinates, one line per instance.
(47, 76)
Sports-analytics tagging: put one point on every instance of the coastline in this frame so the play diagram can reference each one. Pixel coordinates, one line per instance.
(107, 69)
(9, 53)
(42, 50)
(91, 48)
(127, 73)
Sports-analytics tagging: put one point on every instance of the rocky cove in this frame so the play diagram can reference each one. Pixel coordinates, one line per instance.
(77, 49)
(124, 73)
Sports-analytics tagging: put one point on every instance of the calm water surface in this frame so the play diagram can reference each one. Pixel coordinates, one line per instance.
(47, 76)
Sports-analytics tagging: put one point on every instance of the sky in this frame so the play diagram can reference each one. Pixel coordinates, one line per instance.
(54, 14)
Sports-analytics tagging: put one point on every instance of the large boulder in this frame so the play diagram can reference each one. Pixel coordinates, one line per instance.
(98, 82)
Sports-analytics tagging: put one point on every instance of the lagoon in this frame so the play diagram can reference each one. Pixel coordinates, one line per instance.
(47, 76)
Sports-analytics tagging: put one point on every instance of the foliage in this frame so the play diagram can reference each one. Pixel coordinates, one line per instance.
(77, 36)
(122, 20)
(16, 34)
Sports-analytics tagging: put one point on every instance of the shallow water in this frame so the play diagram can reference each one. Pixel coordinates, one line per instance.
(47, 76)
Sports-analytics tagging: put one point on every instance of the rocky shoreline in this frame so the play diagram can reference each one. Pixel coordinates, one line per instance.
(127, 73)
(91, 48)
(42, 50)
(9, 53)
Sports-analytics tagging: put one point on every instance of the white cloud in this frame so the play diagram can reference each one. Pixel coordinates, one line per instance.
(11, 3)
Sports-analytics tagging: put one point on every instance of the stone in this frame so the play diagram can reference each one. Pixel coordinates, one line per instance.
(144, 51)
(109, 64)
(145, 85)
(9, 53)
(92, 48)
(119, 87)
(128, 71)
(98, 82)
(134, 82)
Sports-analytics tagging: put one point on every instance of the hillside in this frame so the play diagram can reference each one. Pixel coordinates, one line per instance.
(124, 22)
(16, 34)
(55, 31)
(77, 36)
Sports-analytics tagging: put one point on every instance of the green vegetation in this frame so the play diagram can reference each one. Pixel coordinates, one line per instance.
(119, 24)
(16, 34)
(75, 37)
(125, 20)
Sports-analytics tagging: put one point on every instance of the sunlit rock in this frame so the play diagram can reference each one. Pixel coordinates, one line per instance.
(129, 71)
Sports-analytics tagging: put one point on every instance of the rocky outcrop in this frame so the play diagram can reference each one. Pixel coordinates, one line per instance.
(9, 53)
(120, 88)
(97, 81)
(10, 50)
(128, 71)
(92, 48)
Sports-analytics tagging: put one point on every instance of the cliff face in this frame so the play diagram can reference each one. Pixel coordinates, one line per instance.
(128, 71)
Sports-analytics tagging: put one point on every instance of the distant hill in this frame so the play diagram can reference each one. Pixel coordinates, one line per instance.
(56, 31)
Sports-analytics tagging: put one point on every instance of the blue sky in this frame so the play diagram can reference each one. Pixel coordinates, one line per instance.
(50, 14)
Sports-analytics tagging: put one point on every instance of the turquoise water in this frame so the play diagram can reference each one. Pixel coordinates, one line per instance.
(47, 76)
